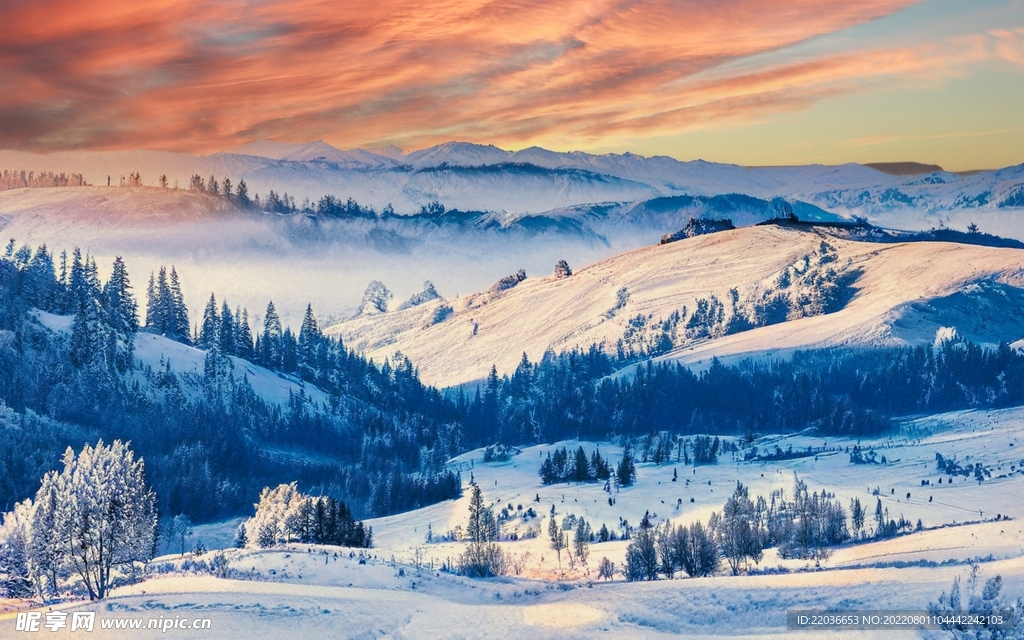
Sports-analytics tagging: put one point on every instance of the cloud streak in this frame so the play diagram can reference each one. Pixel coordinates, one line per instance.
(203, 75)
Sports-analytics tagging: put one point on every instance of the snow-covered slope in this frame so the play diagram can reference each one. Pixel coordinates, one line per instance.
(544, 313)
(155, 352)
(313, 591)
(251, 257)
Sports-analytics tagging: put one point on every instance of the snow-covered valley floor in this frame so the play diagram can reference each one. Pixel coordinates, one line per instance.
(305, 591)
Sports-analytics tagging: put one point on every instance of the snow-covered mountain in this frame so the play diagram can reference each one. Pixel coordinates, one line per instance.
(294, 259)
(534, 180)
(895, 293)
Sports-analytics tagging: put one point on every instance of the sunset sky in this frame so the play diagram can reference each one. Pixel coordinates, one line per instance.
(756, 82)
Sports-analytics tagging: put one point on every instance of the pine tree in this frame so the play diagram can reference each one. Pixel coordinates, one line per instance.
(557, 537)
(562, 270)
(581, 468)
(242, 194)
(226, 333)
(483, 557)
(475, 530)
(581, 540)
(152, 304)
(243, 336)
(178, 318)
(209, 331)
(626, 472)
(121, 314)
(270, 341)
(856, 516)
(87, 337)
(309, 337)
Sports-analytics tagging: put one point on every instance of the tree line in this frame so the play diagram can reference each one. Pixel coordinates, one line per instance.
(834, 391)
(30, 179)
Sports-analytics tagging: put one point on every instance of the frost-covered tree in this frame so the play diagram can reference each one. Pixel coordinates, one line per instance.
(276, 511)
(242, 194)
(209, 330)
(179, 530)
(95, 518)
(18, 575)
(642, 553)
(270, 342)
(226, 332)
(557, 537)
(375, 299)
(964, 601)
(695, 550)
(738, 530)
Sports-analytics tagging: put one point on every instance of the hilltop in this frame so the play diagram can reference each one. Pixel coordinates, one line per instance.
(884, 294)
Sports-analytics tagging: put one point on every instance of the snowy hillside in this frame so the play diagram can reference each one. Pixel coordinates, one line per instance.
(601, 302)
(156, 352)
(315, 591)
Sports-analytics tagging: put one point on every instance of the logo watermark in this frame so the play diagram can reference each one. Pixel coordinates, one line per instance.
(32, 621)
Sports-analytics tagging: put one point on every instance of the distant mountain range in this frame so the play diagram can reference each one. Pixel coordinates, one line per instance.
(503, 211)
(472, 177)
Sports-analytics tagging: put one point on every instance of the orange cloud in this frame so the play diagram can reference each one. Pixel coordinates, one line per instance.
(202, 75)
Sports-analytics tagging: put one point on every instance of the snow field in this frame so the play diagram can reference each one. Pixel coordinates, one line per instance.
(303, 591)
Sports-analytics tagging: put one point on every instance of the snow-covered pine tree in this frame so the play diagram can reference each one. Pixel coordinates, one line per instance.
(482, 557)
(179, 312)
(226, 332)
(121, 314)
(270, 340)
(243, 335)
(209, 330)
(242, 194)
(309, 339)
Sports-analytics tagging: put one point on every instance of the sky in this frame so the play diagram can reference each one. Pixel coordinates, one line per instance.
(754, 82)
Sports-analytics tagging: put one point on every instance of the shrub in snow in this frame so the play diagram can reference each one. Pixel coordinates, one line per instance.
(508, 282)
(440, 315)
(562, 269)
(964, 602)
(429, 293)
(698, 227)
